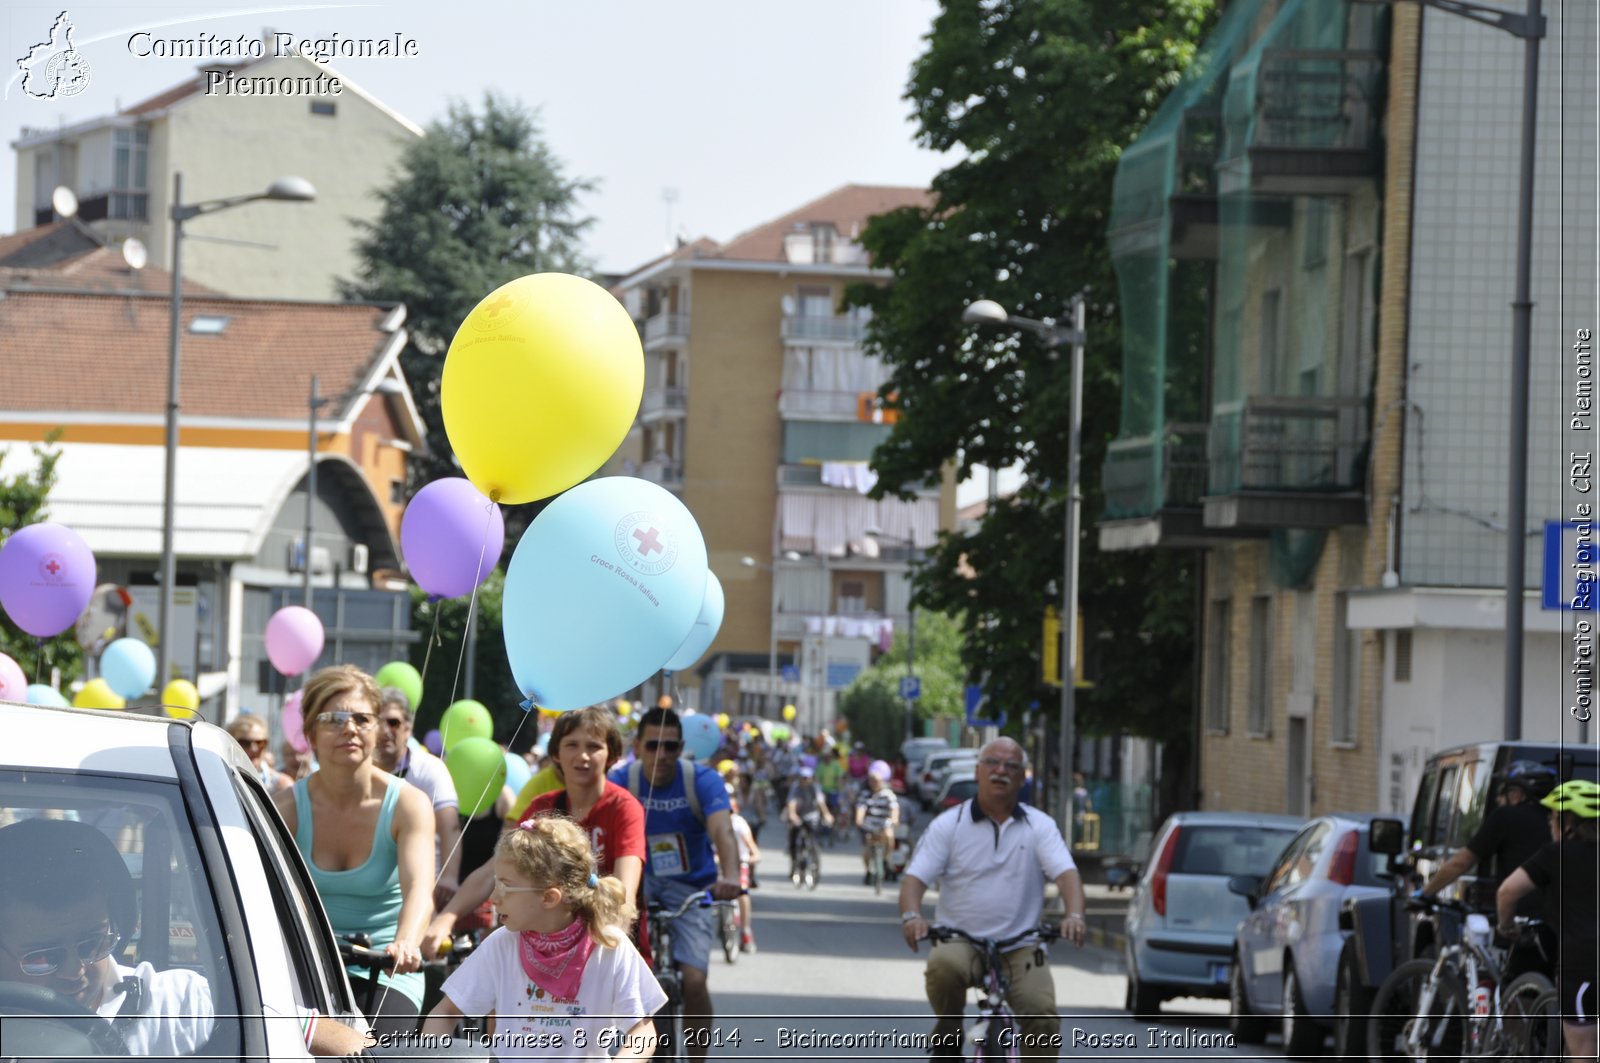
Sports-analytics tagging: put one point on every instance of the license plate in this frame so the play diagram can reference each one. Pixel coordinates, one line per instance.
(1221, 972)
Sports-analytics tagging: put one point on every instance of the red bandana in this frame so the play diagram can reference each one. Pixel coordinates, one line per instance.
(555, 962)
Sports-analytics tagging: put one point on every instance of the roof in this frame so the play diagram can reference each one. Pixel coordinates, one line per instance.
(258, 368)
(847, 208)
(68, 255)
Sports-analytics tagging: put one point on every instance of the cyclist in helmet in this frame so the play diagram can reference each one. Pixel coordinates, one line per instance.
(877, 815)
(1565, 872)
(805, 805)
(1511, 833)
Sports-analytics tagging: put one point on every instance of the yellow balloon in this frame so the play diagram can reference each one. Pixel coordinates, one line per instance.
(97, 694)
(540, 386)
(624, 706)
(790, 712)
(722, 720)
(179, 699)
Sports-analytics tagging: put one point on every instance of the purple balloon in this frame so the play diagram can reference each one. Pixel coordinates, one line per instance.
(47, 575)
(447, 527)
(434, 742)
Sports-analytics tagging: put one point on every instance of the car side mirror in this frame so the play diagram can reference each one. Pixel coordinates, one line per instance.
(1246, 886)
(1120, 877)
(1386, 836)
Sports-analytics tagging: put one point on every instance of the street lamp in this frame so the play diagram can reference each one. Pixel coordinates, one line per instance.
(911, 634)
(1056, 336)
(772, 619)
(285, 189)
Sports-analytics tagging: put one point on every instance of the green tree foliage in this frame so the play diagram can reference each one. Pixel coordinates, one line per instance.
(24, 500)
(1035, 99)
(479, 201)
(938, 666)
(444, 666)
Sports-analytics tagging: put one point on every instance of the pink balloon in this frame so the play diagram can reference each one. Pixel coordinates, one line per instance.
(294, 724)
(47, 575)
(13, 684)
(294, 639)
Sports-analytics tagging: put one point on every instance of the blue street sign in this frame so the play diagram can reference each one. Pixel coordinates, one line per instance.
(841, 675)
(910, 687)
(975, 702)
(791, 674)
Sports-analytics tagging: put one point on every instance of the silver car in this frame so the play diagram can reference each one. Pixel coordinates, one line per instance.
(1182, 917)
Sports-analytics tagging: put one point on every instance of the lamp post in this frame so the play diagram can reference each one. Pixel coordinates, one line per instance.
(1056, 336)
(772, 617)
(314, 403)
(286, 189)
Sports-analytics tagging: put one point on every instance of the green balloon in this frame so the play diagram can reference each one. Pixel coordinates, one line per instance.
(404, 678)
(478, 768)
(465, 719)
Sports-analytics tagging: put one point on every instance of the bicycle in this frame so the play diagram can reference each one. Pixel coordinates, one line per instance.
(730, 928)
(995, 1032)
(669, 1020)
(808, 860)
(875, 861)
(1457, 1004)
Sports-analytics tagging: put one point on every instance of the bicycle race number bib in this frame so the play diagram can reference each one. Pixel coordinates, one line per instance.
(669, 855)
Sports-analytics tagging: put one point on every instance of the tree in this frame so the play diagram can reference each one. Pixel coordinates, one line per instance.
(938, 667)
(1038, 97)
(479, 201)
(24, 500)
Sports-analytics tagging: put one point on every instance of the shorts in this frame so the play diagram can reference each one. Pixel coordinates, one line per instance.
(1576, 991)
(744, 876)
(693, 931)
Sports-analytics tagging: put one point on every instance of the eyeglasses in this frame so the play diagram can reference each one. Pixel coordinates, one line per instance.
(252, 743)
(36, 963)
(665, 745)
(393, 723)
(500, 885)
(996, 762)
(335, 721)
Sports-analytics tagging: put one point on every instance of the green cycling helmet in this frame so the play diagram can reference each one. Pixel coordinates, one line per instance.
(1578, 796)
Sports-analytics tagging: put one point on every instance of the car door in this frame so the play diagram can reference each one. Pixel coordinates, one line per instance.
(1296, 902)
(1256, 936)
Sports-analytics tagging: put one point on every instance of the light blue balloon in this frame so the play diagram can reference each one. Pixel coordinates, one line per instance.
(705, 629)
(40, 694)
(602, 589)
(701, 736)
(128, 666)
(517, 771)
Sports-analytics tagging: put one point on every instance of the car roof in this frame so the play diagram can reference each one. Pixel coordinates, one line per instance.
(39, 736)
(1236, 819)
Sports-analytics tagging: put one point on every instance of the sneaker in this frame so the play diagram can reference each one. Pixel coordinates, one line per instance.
(866, 880)
(747, 944)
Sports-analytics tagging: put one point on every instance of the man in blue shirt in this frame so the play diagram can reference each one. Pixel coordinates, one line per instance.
(687, 834)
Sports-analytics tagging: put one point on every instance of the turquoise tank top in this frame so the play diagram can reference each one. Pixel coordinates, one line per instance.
(365, 899)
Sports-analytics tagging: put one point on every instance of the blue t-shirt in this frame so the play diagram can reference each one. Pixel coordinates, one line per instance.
(677, 844)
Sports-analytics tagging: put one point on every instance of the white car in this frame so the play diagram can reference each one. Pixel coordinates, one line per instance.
(215, 887)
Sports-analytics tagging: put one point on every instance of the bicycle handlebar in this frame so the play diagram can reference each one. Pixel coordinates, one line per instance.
(703, 899)
(1046, 932)
(356, 949)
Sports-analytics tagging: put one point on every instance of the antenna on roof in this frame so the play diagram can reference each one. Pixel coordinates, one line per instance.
(669, 196)
(134, 253)
(64, 202)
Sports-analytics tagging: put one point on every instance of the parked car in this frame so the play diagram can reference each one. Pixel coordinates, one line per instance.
(934, 769)
(1182, 916)
(1286, 952)
(1454, 794)
(916, 750)
(959, 785)
(215, 883)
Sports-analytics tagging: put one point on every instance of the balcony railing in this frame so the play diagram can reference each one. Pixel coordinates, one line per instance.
(1283, 443)
(1136, 486)
(667, 473)
(821, 328)
(666, 326)
(803, 402)
(659, 400)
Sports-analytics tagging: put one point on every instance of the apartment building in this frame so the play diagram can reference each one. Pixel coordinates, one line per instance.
(1314, 241)
(120, 168)
(761, 411)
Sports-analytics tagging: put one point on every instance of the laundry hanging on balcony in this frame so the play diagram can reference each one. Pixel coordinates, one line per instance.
(853, 474)
(835, 525)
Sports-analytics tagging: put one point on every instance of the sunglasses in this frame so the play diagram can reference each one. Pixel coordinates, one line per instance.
(335, 721)
(665, 745)
(253, 743)
(36, 963)
(393, 723)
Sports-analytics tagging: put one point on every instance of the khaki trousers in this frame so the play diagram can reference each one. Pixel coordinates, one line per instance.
(955, 966)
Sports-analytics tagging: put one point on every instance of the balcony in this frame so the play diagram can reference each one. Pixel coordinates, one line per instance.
(665, 472)
(665, 329)
(1287, 462)
(823, 328)
(808, 405)
(662, 402)
(1153, 493)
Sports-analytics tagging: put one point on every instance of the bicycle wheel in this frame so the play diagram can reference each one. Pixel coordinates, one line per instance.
(995, 1037)
(1531, 1026)
(877, 868)
(728, 931)
(1396, 1029)
(813, 867)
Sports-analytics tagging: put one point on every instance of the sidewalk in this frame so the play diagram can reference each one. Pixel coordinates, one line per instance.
(1106, 914)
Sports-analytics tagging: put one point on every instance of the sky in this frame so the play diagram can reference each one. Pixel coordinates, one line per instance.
(742, 110)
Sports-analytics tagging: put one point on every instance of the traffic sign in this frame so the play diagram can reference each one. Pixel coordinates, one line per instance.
(976, 703)
(910, 687)
(791, 673)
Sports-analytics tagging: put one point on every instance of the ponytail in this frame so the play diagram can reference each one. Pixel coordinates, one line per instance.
(605, 909)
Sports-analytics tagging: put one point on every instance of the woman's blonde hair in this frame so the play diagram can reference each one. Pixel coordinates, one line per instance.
(331, 683)
(244, 723)
(552, 850)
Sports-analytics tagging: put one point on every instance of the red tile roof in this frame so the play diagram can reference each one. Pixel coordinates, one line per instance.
(107, 353)
(847, 208)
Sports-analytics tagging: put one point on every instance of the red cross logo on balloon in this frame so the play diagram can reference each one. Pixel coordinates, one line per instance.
(646, 543)
(494, 311)
(52, 568)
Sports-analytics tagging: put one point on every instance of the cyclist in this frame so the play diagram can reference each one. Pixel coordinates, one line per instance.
(877, 815)
(1511, 833)
(990, 857)
(1565, 872)
(803, 810)
(830, 776)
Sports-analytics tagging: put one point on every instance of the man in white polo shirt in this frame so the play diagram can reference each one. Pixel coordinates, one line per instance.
(396, 755)
(990, 857)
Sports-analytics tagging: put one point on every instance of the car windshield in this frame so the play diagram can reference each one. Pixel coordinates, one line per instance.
(1213, 849)
(159, 920)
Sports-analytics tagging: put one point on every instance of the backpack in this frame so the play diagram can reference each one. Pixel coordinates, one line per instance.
(685, 771)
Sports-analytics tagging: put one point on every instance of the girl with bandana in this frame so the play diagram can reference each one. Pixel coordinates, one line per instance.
(559, 975)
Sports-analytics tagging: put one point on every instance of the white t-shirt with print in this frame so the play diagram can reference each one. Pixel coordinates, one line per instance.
(177, 1017)
(616, 991)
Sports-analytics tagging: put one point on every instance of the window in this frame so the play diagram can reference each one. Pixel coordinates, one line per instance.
(1316, 234)
(1219, 647)
(1270, 367)
(1227, 851)
(1402, 656)
(1346, 675)
(397, 491)
(1438, 825)
(852, 597)
(1260, 695)
(130, 180)
(324, 107)
(816, 301)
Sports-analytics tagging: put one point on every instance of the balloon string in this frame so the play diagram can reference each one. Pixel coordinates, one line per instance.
(38, 662)
(427, 654)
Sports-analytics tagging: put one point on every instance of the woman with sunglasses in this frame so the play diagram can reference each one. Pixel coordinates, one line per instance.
(367, 838)
(250, 731)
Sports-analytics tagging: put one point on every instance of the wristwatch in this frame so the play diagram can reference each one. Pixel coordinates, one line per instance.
(906, 917)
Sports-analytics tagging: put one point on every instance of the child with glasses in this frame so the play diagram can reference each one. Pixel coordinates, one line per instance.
(250, 731)
(560, 975)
